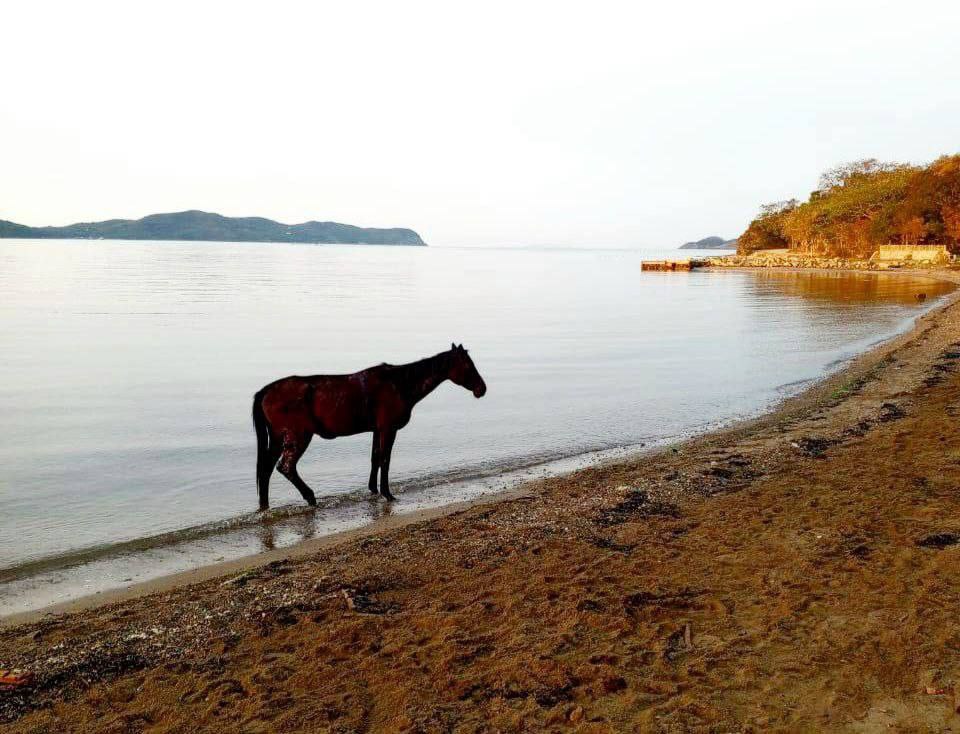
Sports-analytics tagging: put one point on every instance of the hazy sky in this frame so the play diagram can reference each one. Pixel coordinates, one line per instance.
(592, 123)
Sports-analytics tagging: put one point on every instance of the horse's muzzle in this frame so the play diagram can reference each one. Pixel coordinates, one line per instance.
(480, 390)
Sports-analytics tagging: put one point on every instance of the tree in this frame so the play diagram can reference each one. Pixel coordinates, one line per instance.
(765, 232)
(778, 207)
(950, 215)
(862, 205)
(912, 230)
(841, 175)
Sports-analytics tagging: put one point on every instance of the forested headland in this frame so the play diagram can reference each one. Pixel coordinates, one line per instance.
(860, 206)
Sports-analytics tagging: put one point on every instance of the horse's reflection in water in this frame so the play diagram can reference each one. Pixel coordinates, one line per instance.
(379, 509)
(287, 413)
(268, 536)
(304, 525)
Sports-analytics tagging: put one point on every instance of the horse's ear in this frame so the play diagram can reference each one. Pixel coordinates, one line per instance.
(461, 348)
(453, 347)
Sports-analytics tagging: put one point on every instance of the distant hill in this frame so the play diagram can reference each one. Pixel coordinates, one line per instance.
(204, 226)
(710, 243)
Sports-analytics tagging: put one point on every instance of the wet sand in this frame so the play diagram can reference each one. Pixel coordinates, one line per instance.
(795, 572)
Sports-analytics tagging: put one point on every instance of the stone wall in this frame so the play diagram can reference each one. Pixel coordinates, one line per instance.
(892, 257)
(780, 259)
(915, 253)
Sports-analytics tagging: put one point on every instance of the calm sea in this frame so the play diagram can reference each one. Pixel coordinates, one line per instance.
(127, 371)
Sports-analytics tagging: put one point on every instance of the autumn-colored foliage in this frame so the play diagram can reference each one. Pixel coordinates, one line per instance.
(865, 204)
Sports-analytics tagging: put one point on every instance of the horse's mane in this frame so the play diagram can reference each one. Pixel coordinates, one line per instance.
(414, 373)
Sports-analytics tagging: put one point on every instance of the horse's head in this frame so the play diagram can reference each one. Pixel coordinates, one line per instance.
(464, 373)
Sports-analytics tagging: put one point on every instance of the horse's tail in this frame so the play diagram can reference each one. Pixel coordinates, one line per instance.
(264, 465)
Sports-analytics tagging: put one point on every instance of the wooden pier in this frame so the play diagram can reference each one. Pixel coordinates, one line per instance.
(671, 266)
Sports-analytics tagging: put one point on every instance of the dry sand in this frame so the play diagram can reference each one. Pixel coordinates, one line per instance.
(796, 573)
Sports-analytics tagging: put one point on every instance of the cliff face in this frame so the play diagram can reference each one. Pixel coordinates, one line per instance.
(862, 206)
(205, 226)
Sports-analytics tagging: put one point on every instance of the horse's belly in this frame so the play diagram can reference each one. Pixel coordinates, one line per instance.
(339, 412)
(328, 433)
(344, 421)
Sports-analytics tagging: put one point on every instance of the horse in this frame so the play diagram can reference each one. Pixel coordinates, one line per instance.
(288, 412)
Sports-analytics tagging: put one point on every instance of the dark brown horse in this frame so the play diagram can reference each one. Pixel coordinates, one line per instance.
(288, 412)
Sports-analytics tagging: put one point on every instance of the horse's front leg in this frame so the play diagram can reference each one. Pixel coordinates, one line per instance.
(374, 463)
(386, 447)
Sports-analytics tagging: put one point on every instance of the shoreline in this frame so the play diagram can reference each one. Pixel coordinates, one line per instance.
(781, 409)
(781, 573)
(223, 569)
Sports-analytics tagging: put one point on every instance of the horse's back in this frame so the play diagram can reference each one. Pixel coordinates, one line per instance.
(286, 404)
(329, 405)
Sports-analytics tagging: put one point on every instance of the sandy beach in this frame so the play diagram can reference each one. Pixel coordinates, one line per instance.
(796, 572)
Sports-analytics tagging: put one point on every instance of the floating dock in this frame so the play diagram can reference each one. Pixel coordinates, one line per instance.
(671, 266)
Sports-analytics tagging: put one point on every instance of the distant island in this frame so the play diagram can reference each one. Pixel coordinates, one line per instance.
(208, 227)
(710, 243)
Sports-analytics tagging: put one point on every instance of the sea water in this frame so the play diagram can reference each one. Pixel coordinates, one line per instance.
(127, 371)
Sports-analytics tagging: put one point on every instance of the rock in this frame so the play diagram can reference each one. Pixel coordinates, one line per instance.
(614, 683)
(240, 580)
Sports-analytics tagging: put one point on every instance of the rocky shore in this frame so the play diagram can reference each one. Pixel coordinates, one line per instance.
(794, 573)
(789, 259)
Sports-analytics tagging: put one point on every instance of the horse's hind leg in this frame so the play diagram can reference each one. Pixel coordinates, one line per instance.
(264, 470)
(374, 463)
(293, 448)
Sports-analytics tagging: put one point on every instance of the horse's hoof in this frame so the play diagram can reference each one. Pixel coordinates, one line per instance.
(388, 497)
